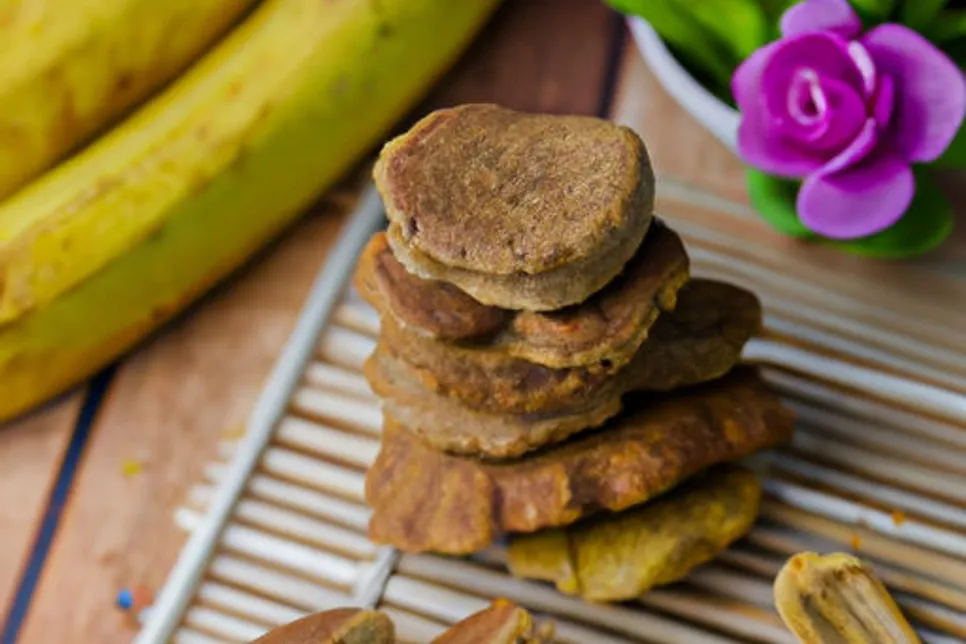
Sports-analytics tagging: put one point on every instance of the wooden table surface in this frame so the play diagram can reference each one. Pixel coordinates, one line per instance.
(89, 483)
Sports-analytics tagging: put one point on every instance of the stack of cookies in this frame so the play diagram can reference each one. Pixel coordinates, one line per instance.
(545, 360)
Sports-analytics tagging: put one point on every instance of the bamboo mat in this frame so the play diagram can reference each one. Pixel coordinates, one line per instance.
(878, 466)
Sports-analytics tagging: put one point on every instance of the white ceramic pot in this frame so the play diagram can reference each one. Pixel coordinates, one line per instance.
(717, 117)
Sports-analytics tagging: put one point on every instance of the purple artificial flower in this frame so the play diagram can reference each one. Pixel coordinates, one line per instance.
(847, 112)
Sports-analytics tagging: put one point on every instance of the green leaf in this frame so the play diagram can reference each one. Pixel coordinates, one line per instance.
(927, 222)
(955, 154)
(947, 27)
(741, 24)
(774, 199)
(917, 14)
(873, 11)
(956, 49)
(677, 25)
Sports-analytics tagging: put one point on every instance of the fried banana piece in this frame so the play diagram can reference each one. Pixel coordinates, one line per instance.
(447, 424)
(436, 390)
(426, 500)
(838, 599)
(621, 556)
(339, 626)
(700, 340)
(607, 328)
(502, 623)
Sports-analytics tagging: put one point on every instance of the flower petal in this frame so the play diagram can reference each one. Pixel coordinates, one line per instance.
(865, 65)
(760, 146)
(857, 150)
(746, 81)
(930, 90)
(822, 54)
(884, 101)
(846, 116)
(858, 201)
(821, 15)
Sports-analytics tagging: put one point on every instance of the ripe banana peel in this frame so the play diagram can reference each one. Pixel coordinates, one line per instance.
(70, 67)
(131, 230)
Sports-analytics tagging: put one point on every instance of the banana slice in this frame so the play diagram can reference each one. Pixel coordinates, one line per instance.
(837, 599)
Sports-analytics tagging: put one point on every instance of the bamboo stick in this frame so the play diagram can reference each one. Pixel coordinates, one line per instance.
(310, 501)
(288, 524)
(849, 512)
(226, 627)
(345, 348)
(634, 623)
(895, 470)
(939, 566)
(879, 493)
(356, 315)
(326, 441)
(322, 375)
(703, 225)
(566, 632)
(733, 617)
(910, 393)
(363, 415)
(255, 544)
(727, 583)
(893, 573)
(850, 403)
(878, 437)
(189, 636)
(314, 473)
(275, 584)
(232, 601)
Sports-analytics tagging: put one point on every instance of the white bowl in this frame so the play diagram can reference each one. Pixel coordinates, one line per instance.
(717, 117)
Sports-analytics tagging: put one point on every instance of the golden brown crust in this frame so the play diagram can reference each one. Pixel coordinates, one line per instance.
(494, 191)
(503, 622)
(339, 626)
(608, 328)
(426, 500)
(700, 340)
(616, 557)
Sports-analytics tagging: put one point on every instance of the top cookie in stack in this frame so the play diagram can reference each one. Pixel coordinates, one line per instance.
(543, 354)
(512, 227)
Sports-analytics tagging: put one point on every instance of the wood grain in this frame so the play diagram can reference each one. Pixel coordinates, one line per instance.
(166, 410)
(537, 56)
(31, 451)
(170, 402)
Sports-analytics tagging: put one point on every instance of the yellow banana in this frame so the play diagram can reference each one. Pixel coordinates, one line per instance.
(277, 86)
(149, 217)
(70, 67)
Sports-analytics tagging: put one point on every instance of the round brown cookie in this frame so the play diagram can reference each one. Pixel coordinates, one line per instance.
(521, 211)
(617, 557)
(426, 500)
(449, 425)
(604, 332)
(338, 626)
(700, 340)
